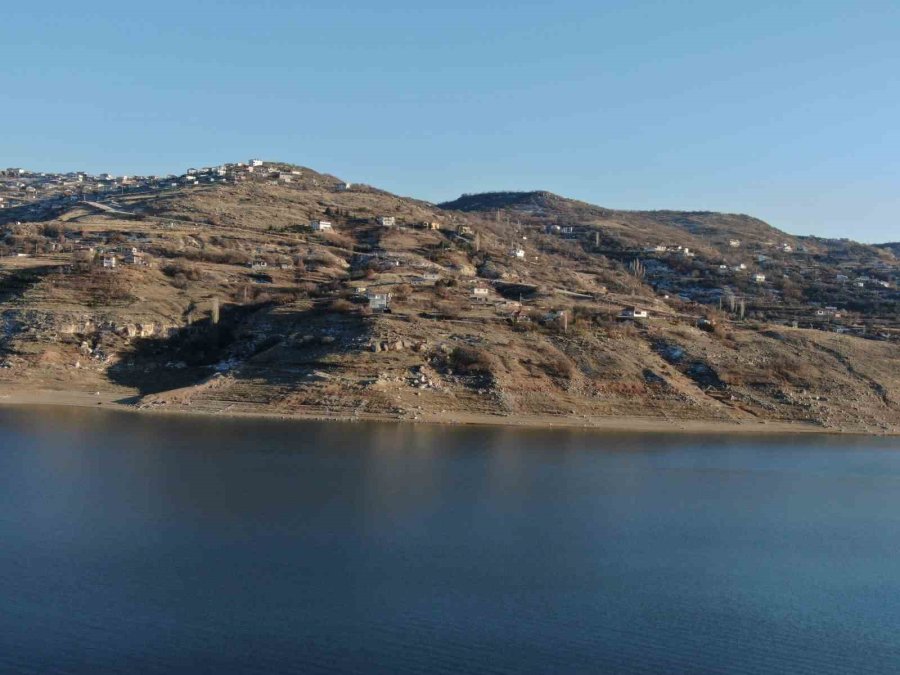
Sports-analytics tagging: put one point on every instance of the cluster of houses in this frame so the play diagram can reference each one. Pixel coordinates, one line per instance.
(318, 225)
(110, 258)
(23, 188)
(682, 251)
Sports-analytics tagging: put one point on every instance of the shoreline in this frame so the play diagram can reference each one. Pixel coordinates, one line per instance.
(17, 397)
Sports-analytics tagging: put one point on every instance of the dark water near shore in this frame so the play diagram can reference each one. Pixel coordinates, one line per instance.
(132, 544)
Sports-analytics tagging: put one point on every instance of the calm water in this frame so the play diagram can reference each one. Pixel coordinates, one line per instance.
(153, 545)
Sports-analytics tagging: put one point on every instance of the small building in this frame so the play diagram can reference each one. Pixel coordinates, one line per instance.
(109, 261)
(255, 162)
(480, 294)
(634, 313)
(465, 231)
(387, 221)
(517, 252)
(734, 243)
(135, 258)
(431, 225)
(379, 302)
(343, 187)
(759, 278)
(320, 226)
(259, 265)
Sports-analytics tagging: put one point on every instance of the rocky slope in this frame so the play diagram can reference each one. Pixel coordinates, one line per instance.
(224, 300)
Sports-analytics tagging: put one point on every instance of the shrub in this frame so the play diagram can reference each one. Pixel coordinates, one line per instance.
(181, 271)
(471, 361)
(557, 364)
(341, 306)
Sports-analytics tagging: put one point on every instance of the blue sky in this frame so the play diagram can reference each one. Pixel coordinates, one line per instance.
(786, 111)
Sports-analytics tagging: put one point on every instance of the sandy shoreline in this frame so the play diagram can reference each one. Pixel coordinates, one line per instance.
(119, 401)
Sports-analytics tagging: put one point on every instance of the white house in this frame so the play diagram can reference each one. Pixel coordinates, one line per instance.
(517, 252)
(759, 278)
(387, 221)
(379, 302)
(343, 187)
(480, 294)
(109, 261)
(320, 226)
(256, 162)
(734, 243)
(634, 313)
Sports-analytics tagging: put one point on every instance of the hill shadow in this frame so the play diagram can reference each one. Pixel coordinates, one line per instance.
(266, 343)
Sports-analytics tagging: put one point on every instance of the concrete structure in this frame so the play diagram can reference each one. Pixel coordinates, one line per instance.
(379, 302)
(634, 313)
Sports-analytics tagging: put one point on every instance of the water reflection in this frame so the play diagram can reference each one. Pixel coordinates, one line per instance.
(161, 544)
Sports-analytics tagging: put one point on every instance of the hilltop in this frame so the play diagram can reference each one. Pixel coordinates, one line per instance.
(265, 287)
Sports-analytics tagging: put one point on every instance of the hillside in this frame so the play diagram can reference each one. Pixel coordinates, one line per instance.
(274, 288)
(699, 229)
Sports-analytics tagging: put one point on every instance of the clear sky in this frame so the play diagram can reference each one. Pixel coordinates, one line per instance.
(789, 111)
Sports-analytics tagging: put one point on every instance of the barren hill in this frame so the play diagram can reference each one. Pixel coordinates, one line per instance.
(287, 291)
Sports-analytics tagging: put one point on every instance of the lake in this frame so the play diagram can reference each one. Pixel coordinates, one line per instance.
(152, 544)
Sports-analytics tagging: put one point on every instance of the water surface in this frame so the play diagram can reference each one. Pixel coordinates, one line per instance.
(142, 544)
